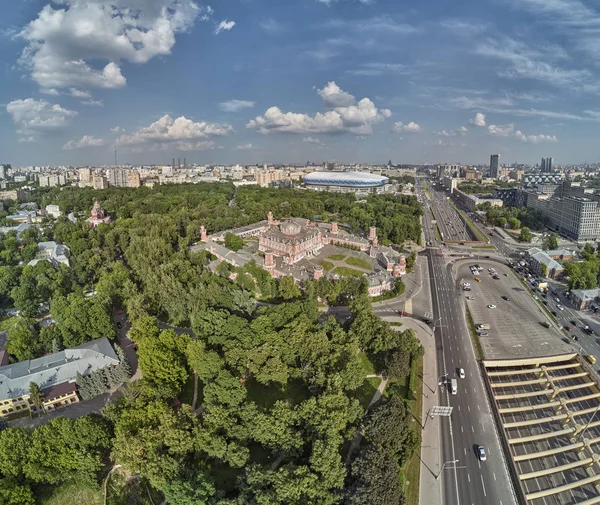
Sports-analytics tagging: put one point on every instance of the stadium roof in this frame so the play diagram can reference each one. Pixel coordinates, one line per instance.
(345, 179)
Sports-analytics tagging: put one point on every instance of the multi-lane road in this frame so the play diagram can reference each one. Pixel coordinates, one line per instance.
(450, 225)
(466, 480)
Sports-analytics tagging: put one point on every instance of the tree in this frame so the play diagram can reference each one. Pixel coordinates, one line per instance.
(14, 493)
(233, 242)
(23, 340)
(551, 242)
(14, 445)
(36, 396)
(526, 235)
(375, 479)
(288, 290)
(387, 425)
(514, 223)
(544, 269)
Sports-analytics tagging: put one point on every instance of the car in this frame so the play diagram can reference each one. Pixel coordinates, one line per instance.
(506, 298)
(484, 334)
(470, 298)
(574, 323)
(481, 453)
(461, 373)
(560, 307)
(428, 321)
(557, 300)
(544, 302)
(591, 358)
(477, 279)
(545, 324)
(491, 306)
(554, 313)
(568, 328)
(439, 254)
(119, 325)
(348, 318)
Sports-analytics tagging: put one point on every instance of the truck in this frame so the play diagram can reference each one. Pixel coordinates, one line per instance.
(482, 326)
(453, 386)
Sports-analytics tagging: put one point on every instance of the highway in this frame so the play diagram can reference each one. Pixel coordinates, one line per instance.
(468, 481)
(450, 224)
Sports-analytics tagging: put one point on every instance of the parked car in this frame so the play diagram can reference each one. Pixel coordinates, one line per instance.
(506, 298)
(491, 306)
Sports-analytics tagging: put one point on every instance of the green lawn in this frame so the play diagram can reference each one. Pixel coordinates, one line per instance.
(364, 394)
(360, 263)
(266, 396)
(69, 494)
(337, 257)
(474, 336)
(367, 364)
(327, 265)
(484, 247)
(347, 272)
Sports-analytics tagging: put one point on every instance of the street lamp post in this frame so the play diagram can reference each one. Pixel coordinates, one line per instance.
(444, 466)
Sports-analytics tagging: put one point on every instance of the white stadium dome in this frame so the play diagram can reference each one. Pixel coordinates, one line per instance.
(356, 179)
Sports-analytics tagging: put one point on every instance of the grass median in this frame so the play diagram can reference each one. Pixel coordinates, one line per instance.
(474, 336)
(411, 472)
(474, 230)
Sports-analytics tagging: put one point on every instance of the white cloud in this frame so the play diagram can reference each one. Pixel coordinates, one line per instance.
(85, 141)
(179, 134)
(224, 26)
(93, 103)
(463, 27)
(244, 147)
(334, 96)
(351, 117)
(379, 68)
(34, 117)
(235, 105)
(459, 132)
(376, 25)
(117, 129)
(78, 93)
(532, 63)
(478, 120)
(80, 44)
(272, 26)
(312, 140)
(411, 127)
(501, 130)
(535, 139)
(50, 91)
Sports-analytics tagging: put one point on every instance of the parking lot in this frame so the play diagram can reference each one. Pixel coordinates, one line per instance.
(519, 327)
(548, 412)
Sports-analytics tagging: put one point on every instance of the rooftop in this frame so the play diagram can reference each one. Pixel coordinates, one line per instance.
(58, 368)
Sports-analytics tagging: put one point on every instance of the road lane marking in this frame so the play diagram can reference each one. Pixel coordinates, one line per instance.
(469, 477)
(472, 429)
(484, 493)
(495, 478)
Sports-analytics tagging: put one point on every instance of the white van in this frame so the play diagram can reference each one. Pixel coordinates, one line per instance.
(454, 386)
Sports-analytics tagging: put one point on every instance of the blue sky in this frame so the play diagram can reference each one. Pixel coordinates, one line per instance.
(255, 81)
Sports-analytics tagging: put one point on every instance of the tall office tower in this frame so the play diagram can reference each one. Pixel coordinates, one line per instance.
(543, 165)
(173, 165)
(117, 177)
(178, 162)
(3, 170)
(549, 164)
(184, 163)
(494, 165)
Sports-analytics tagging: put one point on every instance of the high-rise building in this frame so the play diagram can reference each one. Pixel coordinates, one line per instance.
(546, 165)
(133, 179)
(85, 175)
(100, 182)
(3, 171)
(494, 165)
(117, 177)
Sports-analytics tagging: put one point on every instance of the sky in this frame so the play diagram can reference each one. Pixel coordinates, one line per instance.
(272, 81)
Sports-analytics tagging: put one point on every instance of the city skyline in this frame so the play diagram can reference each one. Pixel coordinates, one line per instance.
(264, 82)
